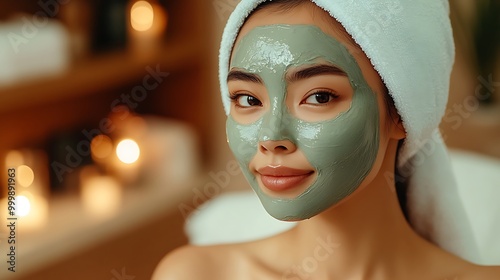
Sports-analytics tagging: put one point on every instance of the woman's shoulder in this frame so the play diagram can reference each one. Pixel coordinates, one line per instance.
(460, 269)
(200, 262)
(484, 273)
(187, 262)
(175, 264)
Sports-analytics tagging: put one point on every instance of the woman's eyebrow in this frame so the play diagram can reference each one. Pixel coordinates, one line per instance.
(238, 75)
(315, 70)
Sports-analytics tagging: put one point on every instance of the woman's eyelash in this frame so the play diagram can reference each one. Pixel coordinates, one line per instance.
(239, 100)
(331, 93)
(234, 96)
(319, 97)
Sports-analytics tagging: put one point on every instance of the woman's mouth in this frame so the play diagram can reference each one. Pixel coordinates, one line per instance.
(281, 178)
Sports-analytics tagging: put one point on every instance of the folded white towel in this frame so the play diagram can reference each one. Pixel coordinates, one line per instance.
(31, 49)
(410, 44)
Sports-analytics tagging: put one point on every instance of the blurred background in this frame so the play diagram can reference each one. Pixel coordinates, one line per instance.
(112, 126)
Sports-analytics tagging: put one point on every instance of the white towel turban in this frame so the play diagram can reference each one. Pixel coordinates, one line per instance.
(410, 44)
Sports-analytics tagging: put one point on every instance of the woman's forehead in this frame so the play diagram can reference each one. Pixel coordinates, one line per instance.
(310, 14)
(307, 14)
(278, 47)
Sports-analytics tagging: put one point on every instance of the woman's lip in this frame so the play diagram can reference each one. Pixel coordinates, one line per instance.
(282, 171)
(282, 178)
(282, 183)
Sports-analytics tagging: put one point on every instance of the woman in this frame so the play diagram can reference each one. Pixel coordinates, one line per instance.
(317, 135)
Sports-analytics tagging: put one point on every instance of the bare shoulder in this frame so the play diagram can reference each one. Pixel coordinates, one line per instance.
(486, 273)
(475, 272)
(179, 264)
(194, 262)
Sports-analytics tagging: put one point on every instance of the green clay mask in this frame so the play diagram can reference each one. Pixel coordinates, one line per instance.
(342, 150)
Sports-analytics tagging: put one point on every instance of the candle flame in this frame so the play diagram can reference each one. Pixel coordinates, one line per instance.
(128, 151)
(23, 206)
(142, 16)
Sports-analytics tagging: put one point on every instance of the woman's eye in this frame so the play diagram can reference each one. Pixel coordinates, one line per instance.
(245, 100)
(322, 97)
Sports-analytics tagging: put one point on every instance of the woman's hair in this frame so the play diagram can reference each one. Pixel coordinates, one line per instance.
(281, 5)
(287, 5)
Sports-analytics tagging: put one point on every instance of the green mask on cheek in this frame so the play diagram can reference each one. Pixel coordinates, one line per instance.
(342, 150)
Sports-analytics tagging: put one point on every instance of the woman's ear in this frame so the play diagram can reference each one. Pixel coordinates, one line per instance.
(397, 130)
(395, 123)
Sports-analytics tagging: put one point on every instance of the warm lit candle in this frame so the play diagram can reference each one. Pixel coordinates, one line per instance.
(101, 195)
(142, 16)
(126, 162)
(31, 170)
(32, 186)
(37, 211)
(147, 24)
(31, 210)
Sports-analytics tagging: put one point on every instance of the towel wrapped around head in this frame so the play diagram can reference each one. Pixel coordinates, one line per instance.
(410, 44)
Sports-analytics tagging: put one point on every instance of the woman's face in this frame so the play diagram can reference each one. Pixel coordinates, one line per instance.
(305, 123)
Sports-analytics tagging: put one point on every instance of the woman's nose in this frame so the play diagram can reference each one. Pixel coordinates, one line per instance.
(274, 126)
(278, 147)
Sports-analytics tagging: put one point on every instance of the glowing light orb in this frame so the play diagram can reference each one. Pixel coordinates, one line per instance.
(128, 151)
(23, 206)
(26, 176)
(142, 16)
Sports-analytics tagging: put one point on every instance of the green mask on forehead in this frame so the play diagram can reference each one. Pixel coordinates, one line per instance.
(342, 150)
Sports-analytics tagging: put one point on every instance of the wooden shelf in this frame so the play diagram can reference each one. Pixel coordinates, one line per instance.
(96, 75)
(70, 229)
